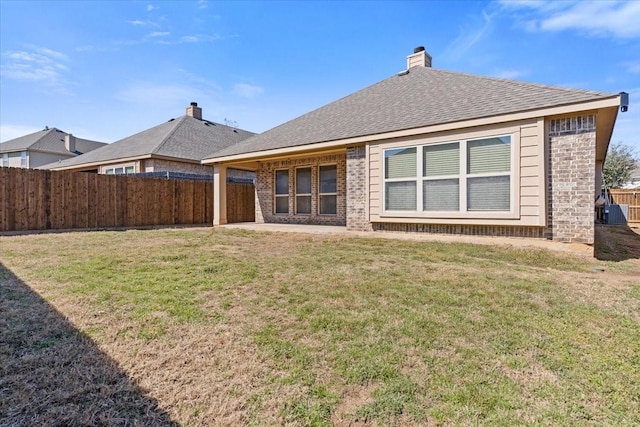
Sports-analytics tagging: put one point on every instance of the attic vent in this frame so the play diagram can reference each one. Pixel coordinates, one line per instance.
(170, 120)
(403, 73)
(206, 123)
(235, 130)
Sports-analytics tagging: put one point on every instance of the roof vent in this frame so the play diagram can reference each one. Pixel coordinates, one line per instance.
(418, 49)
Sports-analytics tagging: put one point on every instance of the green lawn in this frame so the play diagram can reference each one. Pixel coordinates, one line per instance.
(235, 327)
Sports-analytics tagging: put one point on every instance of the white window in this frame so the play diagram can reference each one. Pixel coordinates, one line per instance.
(489, 174)
(23, 159)
(441, 177)
(282, 192)
(400, 179)
(461, 176)
(328, 189)
(303, 191)
(120, 170)
(5, 160)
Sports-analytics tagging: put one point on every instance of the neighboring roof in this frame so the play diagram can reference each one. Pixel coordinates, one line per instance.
(50, 141)
(423, 96)
(182, 138)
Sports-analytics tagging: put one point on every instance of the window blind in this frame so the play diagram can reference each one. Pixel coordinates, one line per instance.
(400, 163)
(443, 159)
(489, 155)
(441, 195)
(400, 196)
(489, 193)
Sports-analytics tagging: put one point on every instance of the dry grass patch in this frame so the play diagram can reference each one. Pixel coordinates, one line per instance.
(223, 327)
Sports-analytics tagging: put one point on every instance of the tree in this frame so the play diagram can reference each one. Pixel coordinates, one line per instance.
(621, 161)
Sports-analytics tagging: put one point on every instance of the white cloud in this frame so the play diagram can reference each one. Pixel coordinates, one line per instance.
(136, 22)
(468, 37)
(510, 74)
(39, 65)
(8, 131)
(159, 34)
(595, 18)
(202, 4)
(246, 90)
(151, 7)
(189, 39)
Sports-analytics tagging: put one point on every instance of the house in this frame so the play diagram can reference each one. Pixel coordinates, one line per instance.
(174, 146)
(634, 181)
(43, 147)
(430, 150)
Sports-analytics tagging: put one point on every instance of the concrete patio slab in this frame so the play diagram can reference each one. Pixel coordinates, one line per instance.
(576, 248)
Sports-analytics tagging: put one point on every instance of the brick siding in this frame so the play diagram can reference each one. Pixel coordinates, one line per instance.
(357, 190)
(467, 230)
(571, 179)
(265, 189)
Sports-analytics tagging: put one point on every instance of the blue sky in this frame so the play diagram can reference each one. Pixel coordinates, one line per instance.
(106, 70)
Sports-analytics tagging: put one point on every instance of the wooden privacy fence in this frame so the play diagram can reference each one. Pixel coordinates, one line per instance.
(628, 197)
(241, 202)
(48, 200)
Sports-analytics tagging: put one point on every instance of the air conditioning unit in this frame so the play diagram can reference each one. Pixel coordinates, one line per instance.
(616, 214)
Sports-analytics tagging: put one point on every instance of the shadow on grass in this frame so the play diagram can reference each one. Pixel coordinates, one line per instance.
(616, 243)
(53, 374)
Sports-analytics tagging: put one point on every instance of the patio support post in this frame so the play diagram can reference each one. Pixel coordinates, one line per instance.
(219, 194)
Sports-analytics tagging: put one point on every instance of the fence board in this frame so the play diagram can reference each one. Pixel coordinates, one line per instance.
(3, 197)
(628, 197)
(38, 200)
(240, 202)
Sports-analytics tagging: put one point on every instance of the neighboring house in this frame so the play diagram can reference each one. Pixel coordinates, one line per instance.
(435, 151)
(175, 146)
(634, 181)
(43, 147)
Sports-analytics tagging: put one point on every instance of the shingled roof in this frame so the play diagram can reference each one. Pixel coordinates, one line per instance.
(421, 96)
(49, 141)
(184, 138)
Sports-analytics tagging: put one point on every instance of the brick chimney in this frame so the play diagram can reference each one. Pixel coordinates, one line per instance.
(420, 57)
(194, 111)
(70, 143)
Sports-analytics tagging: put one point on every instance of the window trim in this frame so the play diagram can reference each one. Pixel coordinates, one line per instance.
(310, 194)
(5, 160)
(463, 213)
(335, 194)
(415, 180)
(24, 163)
(282, 196)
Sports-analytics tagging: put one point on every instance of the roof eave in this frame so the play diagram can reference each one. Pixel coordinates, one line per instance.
(91, 165)
(605, 102)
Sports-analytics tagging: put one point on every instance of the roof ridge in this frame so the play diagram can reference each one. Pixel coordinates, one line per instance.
(167, 137)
